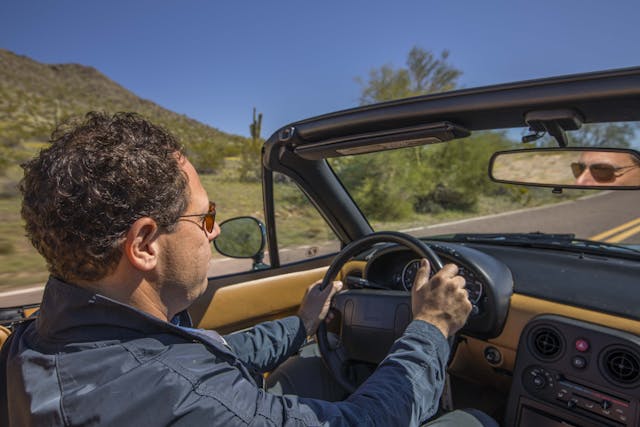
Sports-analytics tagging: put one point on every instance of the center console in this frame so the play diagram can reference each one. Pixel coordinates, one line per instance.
(573, 373)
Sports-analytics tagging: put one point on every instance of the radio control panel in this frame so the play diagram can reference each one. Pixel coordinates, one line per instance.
(570, 372)
(554, 388)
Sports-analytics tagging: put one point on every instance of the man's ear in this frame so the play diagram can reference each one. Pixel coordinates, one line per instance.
(141, 244)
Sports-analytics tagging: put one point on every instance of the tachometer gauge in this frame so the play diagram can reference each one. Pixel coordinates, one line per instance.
(473, 285)
(474, 288)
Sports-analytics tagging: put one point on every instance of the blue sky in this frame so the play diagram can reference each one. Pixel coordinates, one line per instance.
(215, 60)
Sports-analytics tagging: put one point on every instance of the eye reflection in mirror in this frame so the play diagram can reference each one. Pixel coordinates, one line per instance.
(572, 167)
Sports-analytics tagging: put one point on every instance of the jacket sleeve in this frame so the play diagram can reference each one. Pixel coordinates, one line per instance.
(265, 346)
(403, 391)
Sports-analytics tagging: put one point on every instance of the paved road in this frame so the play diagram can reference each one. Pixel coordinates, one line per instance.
(609, 216)
(587, 218)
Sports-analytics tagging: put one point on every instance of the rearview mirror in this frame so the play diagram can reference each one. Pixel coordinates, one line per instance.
(243, 237)
(569, 167)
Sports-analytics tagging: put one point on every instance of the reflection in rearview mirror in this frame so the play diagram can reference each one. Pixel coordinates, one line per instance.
(575, 167)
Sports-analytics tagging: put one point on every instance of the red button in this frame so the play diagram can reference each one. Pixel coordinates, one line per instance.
(582, 345)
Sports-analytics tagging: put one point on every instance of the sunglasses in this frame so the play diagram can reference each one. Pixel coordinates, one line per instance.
(601, 172)
(208, 219)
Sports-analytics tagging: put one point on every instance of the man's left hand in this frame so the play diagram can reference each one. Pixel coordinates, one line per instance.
(315, 305)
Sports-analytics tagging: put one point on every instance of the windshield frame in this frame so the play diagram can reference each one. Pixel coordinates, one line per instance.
(601, 96)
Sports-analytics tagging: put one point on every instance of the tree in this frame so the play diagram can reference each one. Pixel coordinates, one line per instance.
(617, 135)
(426, 179)
(250, 153)
(425, 73)
(612, 135)
(370, 175)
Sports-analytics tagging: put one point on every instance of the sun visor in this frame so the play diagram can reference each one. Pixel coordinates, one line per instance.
(390, 139)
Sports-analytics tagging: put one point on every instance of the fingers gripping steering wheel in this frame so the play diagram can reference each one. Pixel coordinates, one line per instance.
(371, 319)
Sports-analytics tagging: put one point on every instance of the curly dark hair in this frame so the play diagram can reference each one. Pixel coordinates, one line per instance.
(100, 174)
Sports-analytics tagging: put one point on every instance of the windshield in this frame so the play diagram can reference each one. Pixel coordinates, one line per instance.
(444, 190)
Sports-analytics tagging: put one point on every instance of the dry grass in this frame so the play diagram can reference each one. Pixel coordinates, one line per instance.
(542, 168)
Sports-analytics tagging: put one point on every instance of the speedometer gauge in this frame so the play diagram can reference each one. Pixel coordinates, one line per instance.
(473, 286)
(409, 274)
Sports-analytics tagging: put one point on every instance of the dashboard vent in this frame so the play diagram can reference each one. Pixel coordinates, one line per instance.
(546, 342)
(621, 365)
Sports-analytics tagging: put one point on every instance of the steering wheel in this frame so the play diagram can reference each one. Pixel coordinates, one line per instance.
(368, 316)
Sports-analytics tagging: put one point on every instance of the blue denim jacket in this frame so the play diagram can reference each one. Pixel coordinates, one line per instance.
(89, 360)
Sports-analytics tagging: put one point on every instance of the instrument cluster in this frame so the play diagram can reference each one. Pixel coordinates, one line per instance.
(473, 284)
(489, 281)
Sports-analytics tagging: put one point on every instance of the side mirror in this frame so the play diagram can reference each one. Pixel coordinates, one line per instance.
(243, 237)
(569, 167)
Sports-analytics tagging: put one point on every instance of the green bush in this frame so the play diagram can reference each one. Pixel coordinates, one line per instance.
(385, 200)
(444, 198)
(381, 184)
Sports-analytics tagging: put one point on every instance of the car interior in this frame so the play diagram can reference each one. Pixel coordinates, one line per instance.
(553, 338)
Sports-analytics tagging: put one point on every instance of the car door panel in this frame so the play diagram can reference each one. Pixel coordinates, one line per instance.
(242, 305)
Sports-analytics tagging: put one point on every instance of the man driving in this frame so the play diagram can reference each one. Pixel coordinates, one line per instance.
(125, 226)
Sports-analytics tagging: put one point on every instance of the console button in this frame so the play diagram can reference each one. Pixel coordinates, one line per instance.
(605, 404)
(492, 355)
(579, 362)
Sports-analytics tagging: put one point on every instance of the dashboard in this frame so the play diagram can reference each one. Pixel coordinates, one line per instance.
(568, 371)
(602, 283)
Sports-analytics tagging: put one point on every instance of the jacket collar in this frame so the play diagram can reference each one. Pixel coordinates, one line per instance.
(70, 312)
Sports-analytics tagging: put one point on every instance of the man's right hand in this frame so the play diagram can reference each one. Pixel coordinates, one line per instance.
(442, 301)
